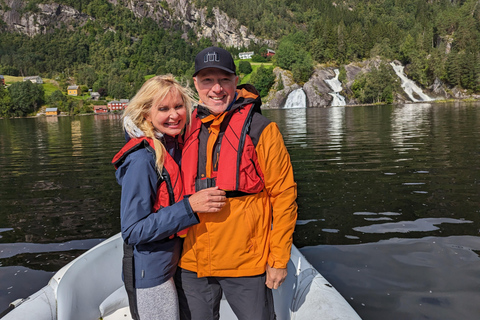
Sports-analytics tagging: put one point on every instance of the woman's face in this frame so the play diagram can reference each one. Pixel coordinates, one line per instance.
(169, 115)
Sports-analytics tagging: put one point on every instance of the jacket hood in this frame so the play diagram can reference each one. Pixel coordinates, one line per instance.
(133, 131)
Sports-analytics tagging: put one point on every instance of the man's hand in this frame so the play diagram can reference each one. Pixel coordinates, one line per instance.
(275, 277)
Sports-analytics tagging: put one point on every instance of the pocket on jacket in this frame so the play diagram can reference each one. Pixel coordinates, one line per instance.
(252, 228)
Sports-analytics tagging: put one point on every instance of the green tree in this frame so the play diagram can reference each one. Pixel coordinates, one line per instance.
(407, 49)
(377, 86)
(117, 88)
(453, 70)
(435, 66)
(382, 49)
(58, 100)
(303, 69)
(26, 97)
(5, 104)
(263, 79)
(290, 55)
(259, 58)
(86, 75)
(244, 67)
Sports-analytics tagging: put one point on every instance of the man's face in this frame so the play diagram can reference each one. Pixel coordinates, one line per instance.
(216, 88)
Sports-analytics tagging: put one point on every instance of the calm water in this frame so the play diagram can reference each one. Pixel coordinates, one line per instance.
(388, 202)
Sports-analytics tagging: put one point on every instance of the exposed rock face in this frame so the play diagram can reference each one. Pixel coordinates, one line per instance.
(48, 17)
(355, 68)
(437, 87)
(218, 27)
(182, 14)
(317, 89)
(276, 98)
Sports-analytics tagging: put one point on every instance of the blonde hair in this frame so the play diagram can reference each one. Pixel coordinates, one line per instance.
(134, 122)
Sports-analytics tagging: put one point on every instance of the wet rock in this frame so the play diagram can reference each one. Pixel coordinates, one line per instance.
(282, 87)
(317, 89)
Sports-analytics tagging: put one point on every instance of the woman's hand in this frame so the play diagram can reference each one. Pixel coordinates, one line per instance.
(207, 200)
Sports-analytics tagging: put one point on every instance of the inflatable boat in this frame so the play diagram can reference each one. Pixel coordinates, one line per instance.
(91, 288)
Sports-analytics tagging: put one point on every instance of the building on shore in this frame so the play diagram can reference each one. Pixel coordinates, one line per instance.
(270, 53)
(246, 55)
(100, 109)
(73, 90)
(94, 96)
(52, 112)
(34, 79)
(118, 105)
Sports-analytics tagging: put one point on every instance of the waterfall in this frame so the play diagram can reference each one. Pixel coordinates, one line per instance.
(296, 99)
(336, 86)
(409, 86)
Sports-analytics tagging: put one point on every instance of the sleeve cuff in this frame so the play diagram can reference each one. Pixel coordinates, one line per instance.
(189, 210)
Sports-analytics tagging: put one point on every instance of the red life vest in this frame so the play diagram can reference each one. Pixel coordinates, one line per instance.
(237, 169)
(170, 189)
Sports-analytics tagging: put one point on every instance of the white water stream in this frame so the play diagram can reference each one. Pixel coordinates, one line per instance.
(296, 99)
(409, 86)
(336, 86)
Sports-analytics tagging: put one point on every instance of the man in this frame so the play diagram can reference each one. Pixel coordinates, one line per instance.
(243, 250)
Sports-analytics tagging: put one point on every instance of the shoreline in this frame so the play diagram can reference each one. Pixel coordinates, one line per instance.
(438, 101)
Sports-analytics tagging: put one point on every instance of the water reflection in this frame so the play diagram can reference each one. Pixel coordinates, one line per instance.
(419, 225)
(57, 179)
(76, 139)
(336, 118)
(295, 122)
(375, 184)
(371, 177)
(410, 121)
(428, 278)
(58, 195)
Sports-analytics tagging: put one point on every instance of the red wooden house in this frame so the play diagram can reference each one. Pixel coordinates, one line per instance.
(117, 105)
(270, 53)
(100, 109)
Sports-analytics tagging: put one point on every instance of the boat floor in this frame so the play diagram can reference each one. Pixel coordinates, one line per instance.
(226, 313)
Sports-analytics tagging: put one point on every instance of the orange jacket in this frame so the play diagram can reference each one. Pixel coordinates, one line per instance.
(252, 230)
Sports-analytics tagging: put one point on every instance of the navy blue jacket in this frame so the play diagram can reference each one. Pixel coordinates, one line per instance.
(155, 255)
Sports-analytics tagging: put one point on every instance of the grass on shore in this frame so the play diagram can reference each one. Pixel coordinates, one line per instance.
(12, 79)
(48, 85)
(255, 65)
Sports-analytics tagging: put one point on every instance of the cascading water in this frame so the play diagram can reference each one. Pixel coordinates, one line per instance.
(296, 99)
(336, 86)
(409, 86)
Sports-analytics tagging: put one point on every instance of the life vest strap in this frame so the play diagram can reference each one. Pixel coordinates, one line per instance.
(128, 269)
(205, 183)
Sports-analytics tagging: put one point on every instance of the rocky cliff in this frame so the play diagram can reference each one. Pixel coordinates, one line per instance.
(218, 26)
(46, 18)
(181, 14)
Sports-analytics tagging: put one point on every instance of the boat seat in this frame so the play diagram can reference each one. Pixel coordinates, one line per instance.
(115, 301)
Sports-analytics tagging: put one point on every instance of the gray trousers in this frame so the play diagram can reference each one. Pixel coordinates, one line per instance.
(199, 298)
(158, 303)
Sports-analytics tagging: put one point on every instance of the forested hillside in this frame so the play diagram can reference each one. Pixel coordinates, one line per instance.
(114, 49)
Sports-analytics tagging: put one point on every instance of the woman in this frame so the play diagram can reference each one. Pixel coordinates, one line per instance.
(154, 213)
